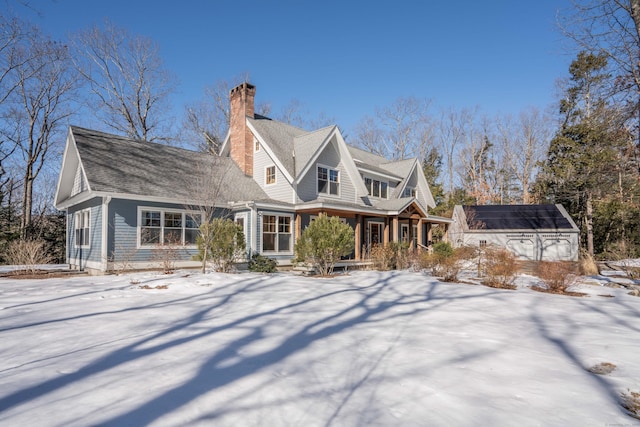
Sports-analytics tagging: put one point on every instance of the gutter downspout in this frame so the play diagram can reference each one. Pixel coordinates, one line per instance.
(105, 232)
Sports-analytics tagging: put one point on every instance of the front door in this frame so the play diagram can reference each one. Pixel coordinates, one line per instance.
(375, 233)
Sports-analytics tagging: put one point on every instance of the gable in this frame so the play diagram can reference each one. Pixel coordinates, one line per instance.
(335, 139)
(71, 180)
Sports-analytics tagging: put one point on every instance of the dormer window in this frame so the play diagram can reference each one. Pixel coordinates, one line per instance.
(409, 192)
(328, 181)
(376, 188)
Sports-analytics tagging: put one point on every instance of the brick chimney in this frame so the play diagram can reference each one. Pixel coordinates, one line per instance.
(241, 139)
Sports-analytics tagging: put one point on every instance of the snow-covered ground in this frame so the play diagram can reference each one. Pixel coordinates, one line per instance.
(365, 349)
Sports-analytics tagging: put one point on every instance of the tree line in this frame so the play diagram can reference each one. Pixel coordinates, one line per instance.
(582, 152)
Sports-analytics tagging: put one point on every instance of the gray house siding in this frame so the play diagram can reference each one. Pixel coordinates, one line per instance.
(282, 189)
(330, 157)
(123, 229)
(80, 256)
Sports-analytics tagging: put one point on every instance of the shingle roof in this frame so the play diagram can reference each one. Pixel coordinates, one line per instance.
(280, 137)
(306, 145)
(516, 217)
(115, 164)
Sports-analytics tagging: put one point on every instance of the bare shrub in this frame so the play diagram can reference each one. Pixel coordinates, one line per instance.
(602, 368)
(447, 267)
(382, 256)
(122, 258)
(394, 255)
(558, 276)
(444, 262)
(166, 254)
(500, 267)
(588, 266)
(27, 254)
(631, 402)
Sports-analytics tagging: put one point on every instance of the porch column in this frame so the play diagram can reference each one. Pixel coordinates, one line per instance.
(385, 238)
(410, 233)
(420, 241)
(394, 238)
(429, 233)
(358, 243)
(298, 226)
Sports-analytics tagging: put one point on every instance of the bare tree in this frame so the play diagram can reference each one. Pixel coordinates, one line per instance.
(479, 169)
(13, 55)
(129, 87)
(524, 143)
(38, 107)
(452, 130)
(398, 131)
(208, 185)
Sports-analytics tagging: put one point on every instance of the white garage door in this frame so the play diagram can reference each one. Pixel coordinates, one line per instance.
(522, 249)
(556, 250)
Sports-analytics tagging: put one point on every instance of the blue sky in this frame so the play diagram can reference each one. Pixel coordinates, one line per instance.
(345, 58)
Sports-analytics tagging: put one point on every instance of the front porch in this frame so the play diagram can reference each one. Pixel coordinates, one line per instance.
(411, 225)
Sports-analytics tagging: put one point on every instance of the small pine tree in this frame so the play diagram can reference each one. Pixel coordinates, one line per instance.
(324, 242)
(221, 241)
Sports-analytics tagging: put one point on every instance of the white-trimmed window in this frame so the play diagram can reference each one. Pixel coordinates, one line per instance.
(328, 181)
(160, 227)
(276, 233)
(82, 228)
(409, 192)
(376, 188)
(256, 144)
(270, 175)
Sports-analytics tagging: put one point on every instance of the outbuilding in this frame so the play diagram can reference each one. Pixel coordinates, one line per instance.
(530, 232)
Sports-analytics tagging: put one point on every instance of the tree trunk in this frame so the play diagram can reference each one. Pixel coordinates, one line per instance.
(27, 201)
(589, 223)
(204, 259)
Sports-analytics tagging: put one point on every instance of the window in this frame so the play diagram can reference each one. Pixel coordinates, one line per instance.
(82, 221)
(376, 188)
(256, 144)
(328, 181)
(191, 228)
(270, 175)
(158, 227)
(276, 233)
(172, 228)
(409, 192)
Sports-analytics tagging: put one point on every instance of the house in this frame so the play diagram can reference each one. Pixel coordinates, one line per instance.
(531, 232)
(124, 198)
